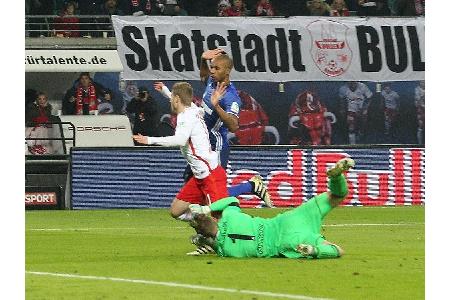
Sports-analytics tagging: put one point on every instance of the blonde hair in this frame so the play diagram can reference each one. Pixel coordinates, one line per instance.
(184, 91)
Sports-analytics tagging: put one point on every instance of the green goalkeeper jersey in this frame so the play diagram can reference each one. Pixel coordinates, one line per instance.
(241, 235)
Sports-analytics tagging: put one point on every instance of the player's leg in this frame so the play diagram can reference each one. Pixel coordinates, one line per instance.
(179, 209)
(190, 193)
(323, 249)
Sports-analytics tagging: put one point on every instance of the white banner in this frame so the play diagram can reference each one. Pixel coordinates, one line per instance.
(72, 61)
(98, 131)
(274, 49)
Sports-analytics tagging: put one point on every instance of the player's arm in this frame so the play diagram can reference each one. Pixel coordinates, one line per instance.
(182, 134)
(163, 89)
(204, 67)
(231, 121)
(219, 205)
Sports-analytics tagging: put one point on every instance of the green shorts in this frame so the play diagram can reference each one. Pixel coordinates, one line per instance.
(302, 225)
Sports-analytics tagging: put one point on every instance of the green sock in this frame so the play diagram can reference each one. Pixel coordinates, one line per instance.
(326, 251)
(338, 185)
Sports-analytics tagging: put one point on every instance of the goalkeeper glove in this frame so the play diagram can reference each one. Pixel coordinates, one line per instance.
(199, 209)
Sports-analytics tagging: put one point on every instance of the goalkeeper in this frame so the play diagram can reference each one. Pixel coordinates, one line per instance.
(292, 234)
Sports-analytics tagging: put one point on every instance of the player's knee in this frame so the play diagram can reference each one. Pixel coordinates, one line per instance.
(173, 213)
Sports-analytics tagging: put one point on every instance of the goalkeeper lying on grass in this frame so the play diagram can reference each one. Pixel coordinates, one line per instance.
(292, 234)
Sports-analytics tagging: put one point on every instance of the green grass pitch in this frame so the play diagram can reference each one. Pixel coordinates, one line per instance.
(103, 251)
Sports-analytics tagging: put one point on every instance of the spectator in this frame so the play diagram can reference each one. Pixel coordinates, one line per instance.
(179, 11)
(222, 6)
(264, 8)
(129, 92)
(67, 24)
(339, 8)
(38, 112)
(104, 26)
(141, 7)
(168, 7)
(146, 113)
(82, 98)
(238, 9)
(105, 107)
(318, 8)
(410, 8)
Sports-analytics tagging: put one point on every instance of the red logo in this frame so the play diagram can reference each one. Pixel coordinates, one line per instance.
(329, 47)
(40, 198)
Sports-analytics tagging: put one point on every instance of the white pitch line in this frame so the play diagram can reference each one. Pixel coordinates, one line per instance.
(374, 224)
(185, 227)
(178, 285)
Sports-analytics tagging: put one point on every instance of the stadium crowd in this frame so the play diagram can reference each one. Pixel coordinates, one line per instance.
(77, 18)
(227, 7)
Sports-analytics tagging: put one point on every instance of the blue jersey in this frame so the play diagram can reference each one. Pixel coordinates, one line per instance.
(230, 103)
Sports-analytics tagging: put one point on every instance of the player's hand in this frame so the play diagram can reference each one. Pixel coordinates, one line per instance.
(199, 209)
(141, 139)
(210, 54)
(218, 93)
(158, 86)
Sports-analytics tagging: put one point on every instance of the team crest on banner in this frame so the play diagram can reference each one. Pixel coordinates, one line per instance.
(330, 50)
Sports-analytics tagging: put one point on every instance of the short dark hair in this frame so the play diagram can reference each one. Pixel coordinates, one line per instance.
(228, 61)
(84, 74)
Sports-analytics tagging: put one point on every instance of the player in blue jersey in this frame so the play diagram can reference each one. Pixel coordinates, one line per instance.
(221, 116)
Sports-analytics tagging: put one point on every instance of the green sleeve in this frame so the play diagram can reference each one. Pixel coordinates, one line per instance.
(221, 204)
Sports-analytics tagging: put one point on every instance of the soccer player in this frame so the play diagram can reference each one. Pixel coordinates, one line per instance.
(292, 234)
(209, 181)
(356, 98)
(221, 116)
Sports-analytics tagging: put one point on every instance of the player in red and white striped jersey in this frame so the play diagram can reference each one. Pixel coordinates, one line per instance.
(191, 134)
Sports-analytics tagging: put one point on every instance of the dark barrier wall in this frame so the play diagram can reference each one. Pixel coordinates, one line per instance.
(146, 177)
(276, 103)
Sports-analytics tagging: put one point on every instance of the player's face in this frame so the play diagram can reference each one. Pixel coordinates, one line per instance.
(352, 86)
(174, 102)
(219, 70)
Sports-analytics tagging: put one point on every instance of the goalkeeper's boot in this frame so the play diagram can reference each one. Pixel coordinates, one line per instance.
(306, 250)
(341, 166)
(202, 250)
(260, 190)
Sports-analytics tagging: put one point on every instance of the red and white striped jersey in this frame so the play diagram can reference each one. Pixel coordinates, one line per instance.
(191, 135)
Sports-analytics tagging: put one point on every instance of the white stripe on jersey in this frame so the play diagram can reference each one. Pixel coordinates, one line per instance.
(216, 133)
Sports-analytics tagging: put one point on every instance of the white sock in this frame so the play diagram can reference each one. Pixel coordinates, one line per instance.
(186, 217)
